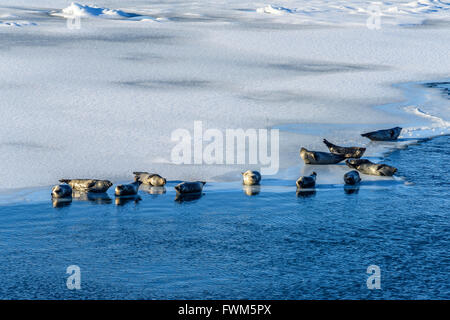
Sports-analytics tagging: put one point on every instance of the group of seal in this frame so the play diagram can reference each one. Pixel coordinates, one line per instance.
(68, 187)
(352, 156)
(250, 179)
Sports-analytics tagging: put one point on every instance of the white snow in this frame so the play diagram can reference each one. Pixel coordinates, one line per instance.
(102, 101)
(80, 10)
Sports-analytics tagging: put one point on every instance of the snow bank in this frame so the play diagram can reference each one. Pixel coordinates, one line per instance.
(79, 10)
(274, 10)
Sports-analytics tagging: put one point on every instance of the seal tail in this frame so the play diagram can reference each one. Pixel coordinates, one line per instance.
(365, 134)
(140, 172)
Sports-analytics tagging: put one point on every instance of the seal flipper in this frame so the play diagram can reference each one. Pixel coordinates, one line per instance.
(328, 143)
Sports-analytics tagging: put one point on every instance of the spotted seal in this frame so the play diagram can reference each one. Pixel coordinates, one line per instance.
(316, 157)
(62, 191)
(251, 178)
(367, 167)
(305, 182)
(383, 135)
(128, 189)
(152, 179)
(347, 152)
(88, 185)
(352, 177)
(190, 187)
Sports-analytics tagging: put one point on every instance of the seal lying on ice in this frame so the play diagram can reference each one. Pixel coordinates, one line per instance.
(88, 185)
(128, 189)
(383, 135)
(367, 167)
(306, 181)
(315, 157)
(61, 191)
(251, 178)
(347, 152)
(152, 179)
(352, 177)
(190, 187)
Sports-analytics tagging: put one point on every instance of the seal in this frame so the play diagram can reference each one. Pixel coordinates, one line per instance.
(306, 182)
(190, 187)
(62, 191)
(367, 167)
(347, 152)
(128, 189)
(315, 157)
(383, 135)
(152, 179)
(352, 177)
(251, 178)
(88, 185)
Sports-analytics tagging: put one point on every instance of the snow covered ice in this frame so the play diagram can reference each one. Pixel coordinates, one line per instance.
(102, 100)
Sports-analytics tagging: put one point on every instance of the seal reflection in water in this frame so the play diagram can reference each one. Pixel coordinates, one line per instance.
(251, 178)
(97, 198)
(315, 157)
(61, 202)
(251, 190)
(88, 185)
(350, 189)
(301, 193)
(151, 179)
(121, 201)
(347, 152)
(186, 197)
(383, 135)
(153, 190)
(367, 167)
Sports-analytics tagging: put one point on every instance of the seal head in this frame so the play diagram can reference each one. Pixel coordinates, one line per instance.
(352, 177)
(305, 182)
(61, 191)
(251, 178)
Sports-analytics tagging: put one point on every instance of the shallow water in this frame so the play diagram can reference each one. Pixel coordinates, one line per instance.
(273, 245)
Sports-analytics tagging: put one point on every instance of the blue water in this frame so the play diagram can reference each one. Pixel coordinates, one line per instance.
(273, 245)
